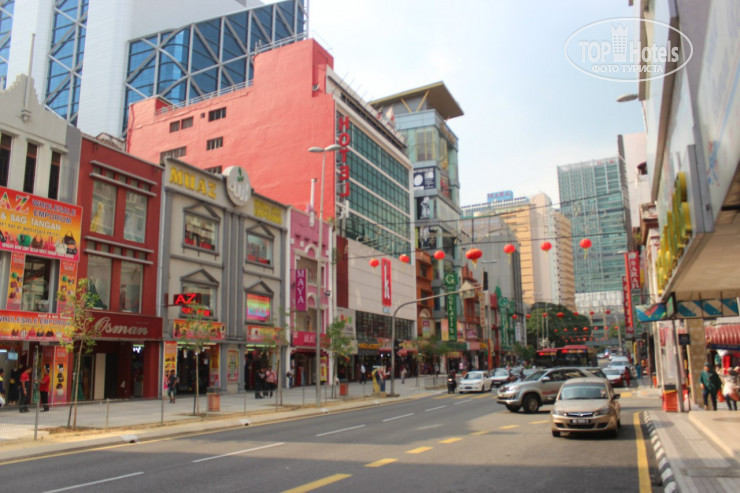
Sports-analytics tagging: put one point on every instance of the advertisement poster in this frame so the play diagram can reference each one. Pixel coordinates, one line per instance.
(212, 331)
(33, 326)
(214, 367)
(324, 368)
(232, 366)
(39, 226)
(170, 361)
(67, 283)
(257, 334)
(385, 265)
(59, 376)
(258, 307)
(15, 280)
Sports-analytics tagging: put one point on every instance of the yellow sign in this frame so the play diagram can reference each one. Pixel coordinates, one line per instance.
(193, 182)
(675, 233)
(268, 211)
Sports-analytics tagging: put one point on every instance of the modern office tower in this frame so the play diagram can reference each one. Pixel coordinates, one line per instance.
(545, 273)
(92, 58)
(593, 195)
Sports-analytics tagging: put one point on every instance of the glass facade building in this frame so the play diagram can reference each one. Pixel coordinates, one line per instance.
(593, 195)
(6, 30)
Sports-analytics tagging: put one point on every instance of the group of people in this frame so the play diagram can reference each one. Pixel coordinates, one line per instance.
(20, 391)
(712, 384)
(265, 384)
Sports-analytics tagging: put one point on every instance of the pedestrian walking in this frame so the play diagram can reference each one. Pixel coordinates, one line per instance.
(44, 388)
(172, 382)
(270, 380)
(259, 384)
(710, 385)
(363, 373)
(403, 374)
(627, 376)
(729, 388)
(25, 390)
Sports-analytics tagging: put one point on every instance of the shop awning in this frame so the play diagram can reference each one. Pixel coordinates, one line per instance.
(723, 336)
(407, 351)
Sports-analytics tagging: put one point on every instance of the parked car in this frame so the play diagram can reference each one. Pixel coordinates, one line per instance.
(540, 388)
(475, 381)
(501, 376)
(615, 376)
(586, 405)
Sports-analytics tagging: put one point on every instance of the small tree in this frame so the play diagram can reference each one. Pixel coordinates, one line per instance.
(194, 334)
(81, 333)
(274, 346)
(524, 352)
(339, 344)
(432, 349)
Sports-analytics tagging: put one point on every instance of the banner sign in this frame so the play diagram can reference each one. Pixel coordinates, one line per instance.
(451, 304)
(58, 373)
(424, 179)
(232, 366)
(33, 326)
(632, 263)
(117, 326)
(257, 334)
(386, 281)
(170, 361)
(213, 331)
(39, 226)
(629, 324)
(304, 339)
(300, 290)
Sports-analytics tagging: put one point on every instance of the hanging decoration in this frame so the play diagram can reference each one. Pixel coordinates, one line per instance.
(585, 244)
(608, 312)
(509, 249)
(529, 315)
(514, 316)
(439, 255)
(404, 258)
(575, 314)
(561, 314)
(374, 262)
(473, 255)
(546, 246)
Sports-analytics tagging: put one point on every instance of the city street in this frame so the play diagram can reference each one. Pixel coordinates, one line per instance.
(436, 443)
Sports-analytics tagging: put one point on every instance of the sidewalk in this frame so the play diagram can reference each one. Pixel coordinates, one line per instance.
(101, 423)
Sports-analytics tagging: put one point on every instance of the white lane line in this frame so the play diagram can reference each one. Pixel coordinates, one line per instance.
(434, 408)
(398, 417)
(238, 452)
(340, 431)
(462, 402)
(83, 485)
(428, 427)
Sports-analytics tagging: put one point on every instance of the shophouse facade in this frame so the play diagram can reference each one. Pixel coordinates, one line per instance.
(225, 247)
(264, 128)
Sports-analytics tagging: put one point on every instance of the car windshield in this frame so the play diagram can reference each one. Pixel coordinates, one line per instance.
(473, 375)
(501, 372)
(612, 371)
(535, 376)
(576, 392)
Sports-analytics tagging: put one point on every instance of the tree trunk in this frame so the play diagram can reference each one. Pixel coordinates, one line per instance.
(75, 385)
(196, 403)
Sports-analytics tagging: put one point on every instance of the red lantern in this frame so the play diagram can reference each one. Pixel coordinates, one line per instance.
(556, 330)
(404, 258)
(473, 255)
(591, 312)
(585, 244)
(509, 249)
(514, 316)
(374, 262)
(439, 254)
(544, 315)
(575, 313)
(529, 315)
(565, 330)
(546, 246)
(561, 314)
(608, 312)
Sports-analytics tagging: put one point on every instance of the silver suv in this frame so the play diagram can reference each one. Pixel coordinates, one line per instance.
(541, 387)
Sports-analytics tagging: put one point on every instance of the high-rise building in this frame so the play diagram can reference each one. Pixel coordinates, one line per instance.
(593, 196)
(93, 58)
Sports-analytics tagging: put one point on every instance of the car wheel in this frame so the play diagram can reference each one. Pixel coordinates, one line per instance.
(614, 433)
(530, 404)
(555, 433)
(513, 409)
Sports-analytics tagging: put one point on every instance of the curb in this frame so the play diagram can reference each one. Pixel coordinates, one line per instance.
(664, 467)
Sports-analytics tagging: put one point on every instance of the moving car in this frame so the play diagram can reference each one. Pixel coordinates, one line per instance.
(475, 381)
(615, 376)
(541, 387)
(586, 405)
(501, 376)
(620, 363)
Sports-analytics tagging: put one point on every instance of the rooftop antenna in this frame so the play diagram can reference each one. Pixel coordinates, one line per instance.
(26, 112)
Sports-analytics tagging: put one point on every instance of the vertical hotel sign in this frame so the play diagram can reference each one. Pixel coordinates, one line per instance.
(300, 290)
(451, 305)
(344, 140)
(386, 281)
(628, 321)
(632, 264)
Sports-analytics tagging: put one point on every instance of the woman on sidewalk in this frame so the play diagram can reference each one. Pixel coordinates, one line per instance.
(729, 388)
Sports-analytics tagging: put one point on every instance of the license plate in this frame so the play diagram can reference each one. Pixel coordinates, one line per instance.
(580, 421)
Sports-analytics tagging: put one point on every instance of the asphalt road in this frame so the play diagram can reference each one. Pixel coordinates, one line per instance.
(433, 444)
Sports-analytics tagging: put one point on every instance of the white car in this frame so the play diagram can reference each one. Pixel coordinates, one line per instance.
(475, 381)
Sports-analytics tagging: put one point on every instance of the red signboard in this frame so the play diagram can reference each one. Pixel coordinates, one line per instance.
(632, 264)
(386, 281)
(304, 339)
(344, 140)
(628, 322)
(186, 299)
(127, 327)
(300, 290)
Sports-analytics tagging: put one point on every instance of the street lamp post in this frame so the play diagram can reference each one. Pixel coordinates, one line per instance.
(319, 260)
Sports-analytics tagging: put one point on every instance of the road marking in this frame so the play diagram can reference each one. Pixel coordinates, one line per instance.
(428, 427)
(626, 394)
(398, 417)
(480, 396)
(443, 396)
(482, 432)
(508, 427)
(462, 402)
(539, 422)
(418, 450)
(318, 483)
(239, 452)
(643, 468)
(381, 463)
(451, 440)
(83, 485)
(435, 408)
(340, 431)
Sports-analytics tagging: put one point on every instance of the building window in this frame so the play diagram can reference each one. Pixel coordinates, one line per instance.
(56, 161)
(186, 123)
(207, 299)
(174, 126)
(259, 249)
(174, 153)
(131, 282)
(30, 175)
(99, 273)
(216, 114)
(201, 232)
(134, 228)
(103, 208)
(5, 142)
(214, 143)
(36, 280)
(258, 307)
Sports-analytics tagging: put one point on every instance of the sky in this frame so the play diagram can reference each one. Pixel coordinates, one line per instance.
(526, 108)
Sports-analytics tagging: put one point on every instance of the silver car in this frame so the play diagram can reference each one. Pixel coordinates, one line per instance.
(586, 405)
(475, 381)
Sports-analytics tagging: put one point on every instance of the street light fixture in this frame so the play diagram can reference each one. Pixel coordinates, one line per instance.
(319, 260)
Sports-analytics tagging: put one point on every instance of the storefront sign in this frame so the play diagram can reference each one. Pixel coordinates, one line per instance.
(628, 319)
(424, 179)
(426, 328)
(198, 329)
(170, 361)
(33, 326)
(344, 140)
(258, 307)
(186, 299)
(368, 346)
(127, 327)
(237, 185)
(676, 230)
(15, 280)
(385, 265)
(258, 334)
(304, 339)
(268, 211)
(39, 226)
(67, 286)
(632, 263)
(500, 196)
(193, 182)
(232, 366)
(451, 304)
(300, 290)
(348, 317)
